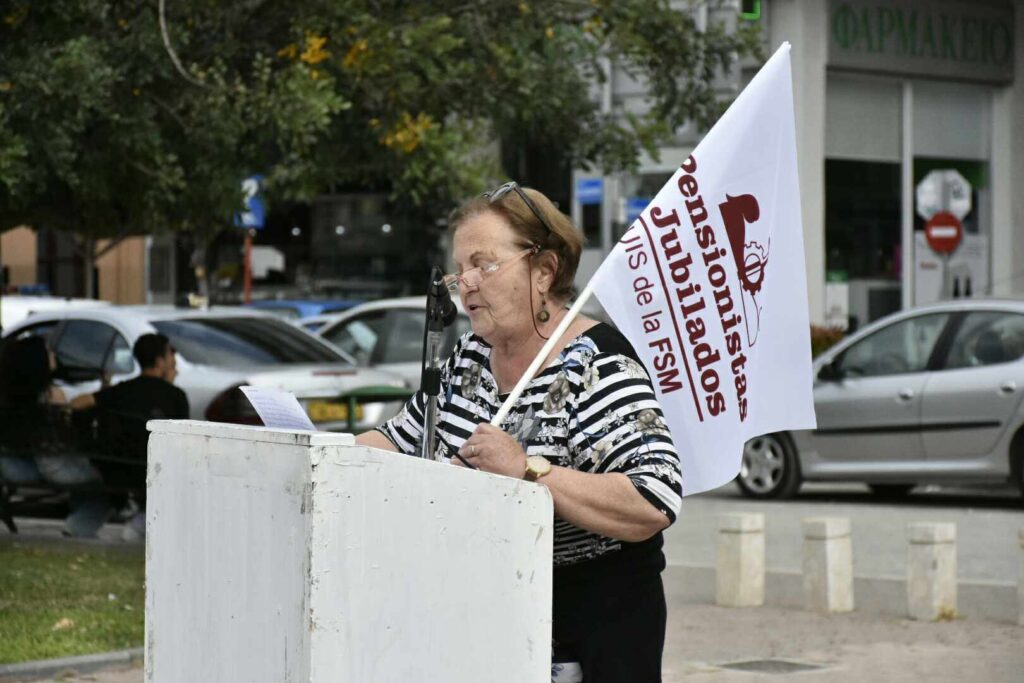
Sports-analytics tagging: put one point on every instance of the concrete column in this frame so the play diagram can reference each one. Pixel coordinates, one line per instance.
(1020, 583)
(739, 579)
(931, 571)
(805, 24)
(828, 565)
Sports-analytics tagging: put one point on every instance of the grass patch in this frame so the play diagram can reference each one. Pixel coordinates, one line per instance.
(61, 602)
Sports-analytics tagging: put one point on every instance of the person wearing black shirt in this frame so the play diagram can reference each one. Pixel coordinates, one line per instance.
(123, 410)
(152, 395)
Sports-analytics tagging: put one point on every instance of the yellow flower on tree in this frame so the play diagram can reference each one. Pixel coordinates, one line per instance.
(408, 133)
(315, 52)
(17, 16)
(290, 51)
(356, 54)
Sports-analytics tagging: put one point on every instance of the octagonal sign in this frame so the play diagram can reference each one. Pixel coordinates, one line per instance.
(943, 190)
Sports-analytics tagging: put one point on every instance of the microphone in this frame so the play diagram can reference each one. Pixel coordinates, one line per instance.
(440, 305)
(441, 313)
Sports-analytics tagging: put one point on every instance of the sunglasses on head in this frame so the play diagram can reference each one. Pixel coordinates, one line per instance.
(512, 186)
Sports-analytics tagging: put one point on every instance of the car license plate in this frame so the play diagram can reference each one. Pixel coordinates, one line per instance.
(331, 411)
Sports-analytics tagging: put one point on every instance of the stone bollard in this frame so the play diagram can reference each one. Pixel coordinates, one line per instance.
(931, 571)
(1020, 583)
(739, 579)
(828, 565)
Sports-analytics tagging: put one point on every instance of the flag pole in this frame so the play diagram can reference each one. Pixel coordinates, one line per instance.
(563, 325)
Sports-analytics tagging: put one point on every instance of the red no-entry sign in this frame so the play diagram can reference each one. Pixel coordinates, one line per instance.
(944, 231)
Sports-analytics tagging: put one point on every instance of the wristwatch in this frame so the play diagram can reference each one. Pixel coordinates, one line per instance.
(536, 467)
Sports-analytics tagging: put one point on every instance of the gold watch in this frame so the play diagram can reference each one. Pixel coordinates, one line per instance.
(536, 467)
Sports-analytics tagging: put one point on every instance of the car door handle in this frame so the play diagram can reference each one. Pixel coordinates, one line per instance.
(906, 394)
(1007, 387)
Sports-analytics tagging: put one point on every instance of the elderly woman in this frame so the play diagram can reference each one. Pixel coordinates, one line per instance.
(587, 426)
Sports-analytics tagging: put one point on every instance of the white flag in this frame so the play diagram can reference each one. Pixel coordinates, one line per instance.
(708, 285)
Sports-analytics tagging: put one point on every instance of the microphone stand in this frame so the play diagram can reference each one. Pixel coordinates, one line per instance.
(440, 313)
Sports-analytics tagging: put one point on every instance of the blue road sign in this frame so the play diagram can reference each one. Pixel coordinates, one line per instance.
(589, 191)
(255, 214)
(634, 207)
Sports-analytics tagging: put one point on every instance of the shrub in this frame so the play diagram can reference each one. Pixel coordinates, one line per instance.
(823, 338)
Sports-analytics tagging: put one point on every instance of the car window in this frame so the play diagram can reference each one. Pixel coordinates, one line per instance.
(240, 342)
(44, 330)
(358, 336)
(83, 344)
(902, 347)
(404, 343)
(120, 361)
(987, 338)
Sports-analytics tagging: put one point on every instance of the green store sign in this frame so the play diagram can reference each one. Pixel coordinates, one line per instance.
(940, 39)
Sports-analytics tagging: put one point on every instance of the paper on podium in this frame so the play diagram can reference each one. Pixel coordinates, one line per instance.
(278, 409)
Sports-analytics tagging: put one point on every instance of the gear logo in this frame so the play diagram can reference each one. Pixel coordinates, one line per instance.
(750, 256)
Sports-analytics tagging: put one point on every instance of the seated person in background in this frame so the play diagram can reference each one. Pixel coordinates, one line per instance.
(28, 433)
(124, 409)
(152, 395)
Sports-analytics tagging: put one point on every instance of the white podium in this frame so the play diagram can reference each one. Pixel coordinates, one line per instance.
(298, 556)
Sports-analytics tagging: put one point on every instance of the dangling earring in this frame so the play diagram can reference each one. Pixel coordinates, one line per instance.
(542, 314)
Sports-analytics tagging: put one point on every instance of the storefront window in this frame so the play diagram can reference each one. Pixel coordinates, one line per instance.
(863, 230)
(862, 218)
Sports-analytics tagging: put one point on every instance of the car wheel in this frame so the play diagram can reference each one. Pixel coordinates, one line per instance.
(890, 491)
(770, 468)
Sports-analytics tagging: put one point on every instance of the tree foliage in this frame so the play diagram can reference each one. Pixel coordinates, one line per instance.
(101, 132)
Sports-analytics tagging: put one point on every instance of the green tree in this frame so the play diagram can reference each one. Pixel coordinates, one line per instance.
(118, 116)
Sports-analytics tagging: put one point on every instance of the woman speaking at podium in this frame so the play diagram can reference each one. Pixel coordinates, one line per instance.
(588, 426)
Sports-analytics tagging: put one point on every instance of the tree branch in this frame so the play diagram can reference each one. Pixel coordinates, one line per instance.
(111, 244)
(170, 50)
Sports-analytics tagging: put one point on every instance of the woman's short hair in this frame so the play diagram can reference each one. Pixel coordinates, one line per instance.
(564, 240)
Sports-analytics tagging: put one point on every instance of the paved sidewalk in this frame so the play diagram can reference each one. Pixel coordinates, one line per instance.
(850, 648)
(702, 639)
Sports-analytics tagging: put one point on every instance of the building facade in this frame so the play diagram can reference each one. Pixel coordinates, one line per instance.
(903, 109)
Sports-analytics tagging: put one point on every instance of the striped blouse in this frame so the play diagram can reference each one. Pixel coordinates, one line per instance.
(592, 410)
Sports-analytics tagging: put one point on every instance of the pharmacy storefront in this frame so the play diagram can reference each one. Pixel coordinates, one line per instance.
(918, 147)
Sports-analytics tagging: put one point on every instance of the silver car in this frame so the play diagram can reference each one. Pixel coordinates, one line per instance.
(928, 395)
(217, 351)
(388, 335)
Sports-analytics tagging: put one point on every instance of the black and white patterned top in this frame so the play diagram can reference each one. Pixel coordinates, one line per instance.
(592, 410)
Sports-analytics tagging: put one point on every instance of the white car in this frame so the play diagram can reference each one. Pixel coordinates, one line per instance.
(218, 351)
(16, 307)
(388, 334)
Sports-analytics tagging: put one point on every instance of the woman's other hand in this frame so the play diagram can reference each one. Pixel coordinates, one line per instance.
(492, 450)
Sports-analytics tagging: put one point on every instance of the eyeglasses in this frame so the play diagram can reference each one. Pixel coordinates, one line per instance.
(513, 186)
(474, 276)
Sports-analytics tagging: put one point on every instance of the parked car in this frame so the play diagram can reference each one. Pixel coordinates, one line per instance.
(314, 322)
(388, 335)
(16, 307)
(218, 351)
(928, 395)
(298, 310)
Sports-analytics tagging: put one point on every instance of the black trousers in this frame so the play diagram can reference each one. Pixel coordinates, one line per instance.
(615, 629)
